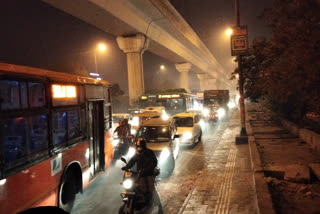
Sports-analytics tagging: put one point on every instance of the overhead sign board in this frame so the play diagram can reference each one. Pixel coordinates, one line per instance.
(239, 40)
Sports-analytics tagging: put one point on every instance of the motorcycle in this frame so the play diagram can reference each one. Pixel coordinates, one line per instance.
(134, 200)
(122, 148)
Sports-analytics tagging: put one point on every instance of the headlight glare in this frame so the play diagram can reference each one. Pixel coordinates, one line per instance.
(127, 184)
(221, 112)
(187, 135)
(164, 154)
(115, 142)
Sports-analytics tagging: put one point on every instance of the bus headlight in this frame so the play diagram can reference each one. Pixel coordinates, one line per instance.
(164, 154)
(187, 135)
(205, 112)
(221, 112)
(127, 184)
(231, 105)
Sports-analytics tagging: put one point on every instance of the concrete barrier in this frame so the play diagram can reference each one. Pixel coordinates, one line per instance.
(310, 137)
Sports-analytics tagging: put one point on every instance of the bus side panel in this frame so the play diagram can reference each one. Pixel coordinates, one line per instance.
(35, 186)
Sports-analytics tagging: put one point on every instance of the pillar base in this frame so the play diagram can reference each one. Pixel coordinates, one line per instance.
(241, 139)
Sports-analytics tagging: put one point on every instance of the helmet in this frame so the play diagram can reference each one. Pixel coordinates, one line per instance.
(125, 121)
(141, 144)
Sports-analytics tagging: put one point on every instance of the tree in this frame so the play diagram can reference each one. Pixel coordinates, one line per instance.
(285, 70)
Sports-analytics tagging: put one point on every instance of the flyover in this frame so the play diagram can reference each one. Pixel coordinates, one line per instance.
(152, 25)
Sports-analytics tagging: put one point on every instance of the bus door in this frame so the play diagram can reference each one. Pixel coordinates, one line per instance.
(96, 137)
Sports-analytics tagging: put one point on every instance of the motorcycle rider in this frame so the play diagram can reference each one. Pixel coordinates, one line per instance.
(146, 162)
(122, 133)
(127, 125)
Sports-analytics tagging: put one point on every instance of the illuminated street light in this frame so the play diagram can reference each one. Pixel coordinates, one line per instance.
(162, 67)
(229, 32)
(102, 47)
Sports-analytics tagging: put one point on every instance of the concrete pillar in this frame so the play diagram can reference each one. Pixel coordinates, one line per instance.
(212, 83)
(184, 68)
(203, 78)
(134, 47)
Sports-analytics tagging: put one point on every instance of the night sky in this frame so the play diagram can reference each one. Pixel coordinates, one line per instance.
(35, 34)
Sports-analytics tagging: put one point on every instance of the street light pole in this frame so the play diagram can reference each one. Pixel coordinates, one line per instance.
(243, 137)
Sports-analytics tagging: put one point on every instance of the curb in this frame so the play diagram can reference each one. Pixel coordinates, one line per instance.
(263, 197)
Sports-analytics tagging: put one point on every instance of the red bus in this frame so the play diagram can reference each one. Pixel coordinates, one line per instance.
(54, 136)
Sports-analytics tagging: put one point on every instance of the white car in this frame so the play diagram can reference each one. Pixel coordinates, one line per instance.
(159, 109)
(188, 128)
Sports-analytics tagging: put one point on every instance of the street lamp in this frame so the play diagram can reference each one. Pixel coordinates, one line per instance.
(101, 47)
(162, 67)
(243, 137)
(229, 32)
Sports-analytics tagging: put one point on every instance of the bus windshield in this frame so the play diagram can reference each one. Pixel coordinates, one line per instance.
(213, 101)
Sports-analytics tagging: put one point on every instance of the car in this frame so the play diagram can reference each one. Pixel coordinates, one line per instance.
(159, 109)
(161, 137)
(139, 118)
(189, 128)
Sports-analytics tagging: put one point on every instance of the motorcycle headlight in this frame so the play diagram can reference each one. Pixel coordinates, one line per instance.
(115, 142)
(221, 112)
(133, 131)
(187, 135)
(131, 152)
(164, 154)
(127, 184)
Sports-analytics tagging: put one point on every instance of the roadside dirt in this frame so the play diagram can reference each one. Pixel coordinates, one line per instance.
(294, 198)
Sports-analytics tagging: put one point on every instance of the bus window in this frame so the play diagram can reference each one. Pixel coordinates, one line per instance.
(36, 94)
(9, 95)
(66, 126)
(73, 124)
(59, 128)
(38, 133)
(14, 139)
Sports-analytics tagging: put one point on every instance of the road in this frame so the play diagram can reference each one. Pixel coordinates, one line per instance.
(103, 196)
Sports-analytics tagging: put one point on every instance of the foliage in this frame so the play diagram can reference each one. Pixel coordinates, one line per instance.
(286, 69)
(116, 90)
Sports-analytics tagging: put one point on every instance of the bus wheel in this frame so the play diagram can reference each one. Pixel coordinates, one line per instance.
(67, 193)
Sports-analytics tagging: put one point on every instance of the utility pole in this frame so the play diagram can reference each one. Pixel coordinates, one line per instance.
(243, 137)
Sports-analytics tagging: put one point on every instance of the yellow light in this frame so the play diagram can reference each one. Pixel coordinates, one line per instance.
(63, 91)
(162, 67)
(229, 32)
(102, 47)
(144, 97)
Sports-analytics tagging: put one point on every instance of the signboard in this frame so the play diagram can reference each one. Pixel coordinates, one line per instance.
(239, 40)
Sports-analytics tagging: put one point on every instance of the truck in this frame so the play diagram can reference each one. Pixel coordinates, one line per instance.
(215, 105)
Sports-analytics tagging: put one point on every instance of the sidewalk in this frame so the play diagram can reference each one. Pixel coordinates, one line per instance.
(284, 166)
(226, 184)
(276, 172)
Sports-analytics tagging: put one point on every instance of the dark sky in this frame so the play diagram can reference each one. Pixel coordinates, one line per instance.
(35, 34)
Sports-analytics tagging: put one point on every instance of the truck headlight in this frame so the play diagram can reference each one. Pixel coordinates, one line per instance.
(187, 135)
(127, 184)
(164, 154)
(221, 112)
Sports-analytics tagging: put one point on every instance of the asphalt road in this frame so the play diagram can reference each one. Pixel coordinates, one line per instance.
(103, 195)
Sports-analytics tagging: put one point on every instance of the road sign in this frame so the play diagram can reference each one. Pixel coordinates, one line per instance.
(239, 40)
